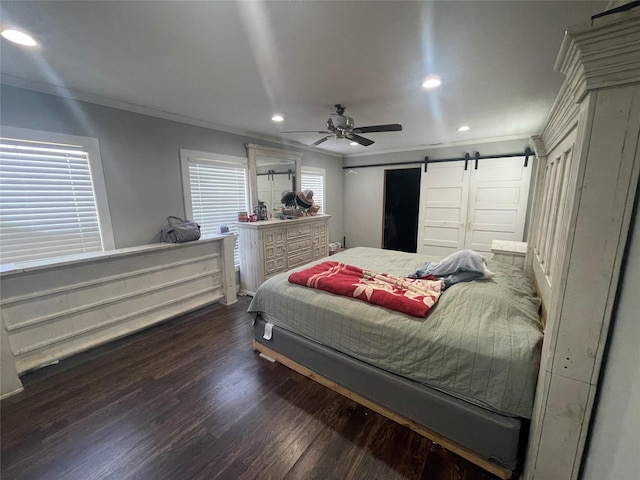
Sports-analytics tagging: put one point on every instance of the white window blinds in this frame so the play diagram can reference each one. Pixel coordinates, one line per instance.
(312, 180)
(218, 191)
(47, 201)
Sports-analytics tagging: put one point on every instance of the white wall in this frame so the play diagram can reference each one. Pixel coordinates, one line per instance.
(140, 158)
(614, 439)
(364, 190)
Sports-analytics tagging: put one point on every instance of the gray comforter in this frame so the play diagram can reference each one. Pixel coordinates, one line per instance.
(478, 343)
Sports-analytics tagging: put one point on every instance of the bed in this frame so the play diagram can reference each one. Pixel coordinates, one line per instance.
(464, 376)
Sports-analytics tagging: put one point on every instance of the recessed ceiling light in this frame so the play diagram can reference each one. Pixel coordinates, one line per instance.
(431, 82)
(18, 37)
(464, 128)
(354, 143)
(277, 118)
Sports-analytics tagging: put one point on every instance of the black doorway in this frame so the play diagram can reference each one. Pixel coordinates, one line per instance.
(401, 203)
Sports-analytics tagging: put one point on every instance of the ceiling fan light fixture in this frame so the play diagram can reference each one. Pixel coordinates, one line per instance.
(16, 36)
(431, 82)
(277, 118)
(464, 128)
(353, 144)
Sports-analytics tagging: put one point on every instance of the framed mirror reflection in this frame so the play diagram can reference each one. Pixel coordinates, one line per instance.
(272, 173)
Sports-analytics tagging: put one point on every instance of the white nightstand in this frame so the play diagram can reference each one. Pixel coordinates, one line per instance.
(509, 252)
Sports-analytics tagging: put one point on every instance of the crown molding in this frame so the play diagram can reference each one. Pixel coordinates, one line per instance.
(602, 53)
(81, 96)
(562, 117)
(537, 145)
(599, 54)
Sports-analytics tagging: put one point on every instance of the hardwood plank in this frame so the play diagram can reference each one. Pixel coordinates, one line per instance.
(190, 399)
(392, 453)
(335, 449)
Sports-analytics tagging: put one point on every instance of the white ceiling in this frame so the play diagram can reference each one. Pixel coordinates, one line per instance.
(235, 64)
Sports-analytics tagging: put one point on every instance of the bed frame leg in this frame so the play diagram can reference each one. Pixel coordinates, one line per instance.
(269, 359)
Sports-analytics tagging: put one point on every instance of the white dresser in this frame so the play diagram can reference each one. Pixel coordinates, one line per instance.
(274, 246)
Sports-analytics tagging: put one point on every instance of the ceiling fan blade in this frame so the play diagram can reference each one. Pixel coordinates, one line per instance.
(320, 141)
(393, 127)
(308, 131)
(365, 142)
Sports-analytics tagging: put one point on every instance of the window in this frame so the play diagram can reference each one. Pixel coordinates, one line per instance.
(215, 190)
(52, 196)
(313, 179)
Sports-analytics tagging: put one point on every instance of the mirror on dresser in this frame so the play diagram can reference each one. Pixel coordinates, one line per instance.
(272, 172)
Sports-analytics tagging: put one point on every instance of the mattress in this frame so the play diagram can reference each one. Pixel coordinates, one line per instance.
(478, 343)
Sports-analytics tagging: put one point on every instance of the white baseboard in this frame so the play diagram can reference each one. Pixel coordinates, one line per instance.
(9, 394)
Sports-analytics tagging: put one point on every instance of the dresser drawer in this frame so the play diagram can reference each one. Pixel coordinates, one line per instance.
(273, 250)
(299, 246)
(298, 259)
(274, 265)
(319, 229)
(271, 237)
(319, 239)
(320, 250)
(298, 231)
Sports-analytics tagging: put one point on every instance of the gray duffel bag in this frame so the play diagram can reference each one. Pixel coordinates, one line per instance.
(178, 230)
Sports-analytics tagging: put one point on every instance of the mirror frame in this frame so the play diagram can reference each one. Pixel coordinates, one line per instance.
(254, 151)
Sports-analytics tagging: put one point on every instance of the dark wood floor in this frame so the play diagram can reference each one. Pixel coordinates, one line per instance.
(189, 399)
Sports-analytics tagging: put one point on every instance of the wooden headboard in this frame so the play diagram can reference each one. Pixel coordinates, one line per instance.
(588, 167)
(543, 307)
(553, 197)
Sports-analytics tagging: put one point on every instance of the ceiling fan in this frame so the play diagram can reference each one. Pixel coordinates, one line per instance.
(341, 126)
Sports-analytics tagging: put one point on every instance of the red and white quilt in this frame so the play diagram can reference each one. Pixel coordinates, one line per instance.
(407, 295)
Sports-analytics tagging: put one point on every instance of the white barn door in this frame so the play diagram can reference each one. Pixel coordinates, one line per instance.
(498, 195)
(470, 208)
(444, 192)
